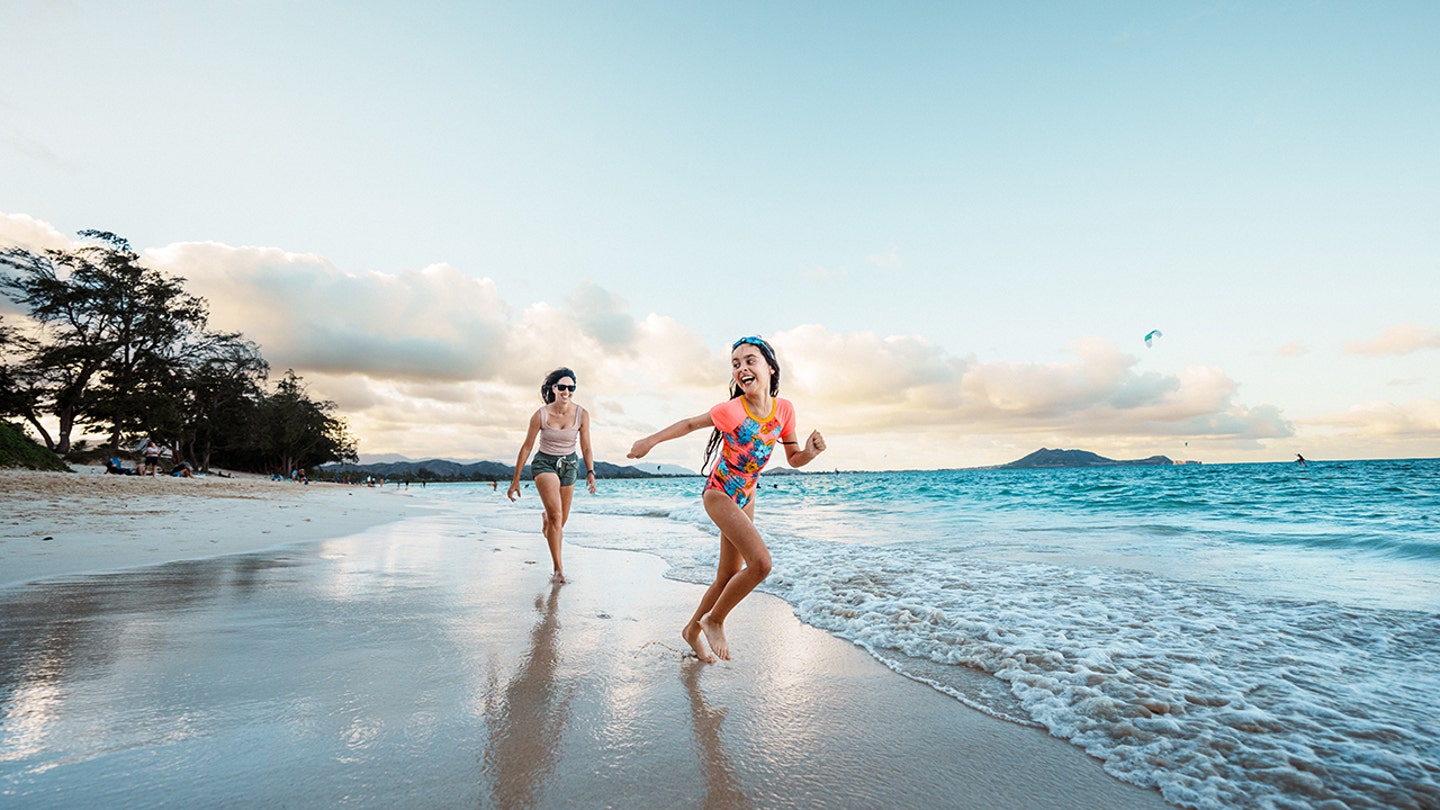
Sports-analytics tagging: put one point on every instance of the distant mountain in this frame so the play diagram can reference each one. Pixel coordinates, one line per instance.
(382, 458)
(1047, 459)
(665, 469)
(439, 469)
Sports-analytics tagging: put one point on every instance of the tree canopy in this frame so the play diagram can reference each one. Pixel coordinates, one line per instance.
(122, 350)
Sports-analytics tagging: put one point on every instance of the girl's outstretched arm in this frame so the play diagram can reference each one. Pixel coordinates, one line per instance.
(675, 431)
(795, 457)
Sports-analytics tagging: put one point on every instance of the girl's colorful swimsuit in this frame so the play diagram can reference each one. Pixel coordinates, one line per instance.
(748, 442)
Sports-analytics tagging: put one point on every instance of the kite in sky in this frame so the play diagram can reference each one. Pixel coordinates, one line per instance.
(1150, 338)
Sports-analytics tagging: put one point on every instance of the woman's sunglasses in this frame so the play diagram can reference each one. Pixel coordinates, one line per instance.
(559, 387)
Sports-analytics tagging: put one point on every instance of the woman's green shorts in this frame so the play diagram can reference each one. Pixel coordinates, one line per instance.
(564, 466)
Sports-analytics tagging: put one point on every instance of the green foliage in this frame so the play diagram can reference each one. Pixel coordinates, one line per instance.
(123, 348)
(12, 393)
(300, 433)
(16, 450)
(114, 333)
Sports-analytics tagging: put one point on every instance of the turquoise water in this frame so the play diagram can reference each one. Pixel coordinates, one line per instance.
(1237, 635)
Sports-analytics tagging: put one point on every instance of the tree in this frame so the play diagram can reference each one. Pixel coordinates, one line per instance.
(223, 390)
(125, 348)
(12, 394)
(207, 401)
(297, 432)
(115, 334)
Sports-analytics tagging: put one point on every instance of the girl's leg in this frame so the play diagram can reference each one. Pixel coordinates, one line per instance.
(730, 564)
(553, 525)
(737, 529)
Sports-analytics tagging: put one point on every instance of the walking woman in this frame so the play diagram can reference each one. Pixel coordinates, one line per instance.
(563, 427)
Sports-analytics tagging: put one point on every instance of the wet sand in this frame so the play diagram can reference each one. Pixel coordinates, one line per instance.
(429, 663)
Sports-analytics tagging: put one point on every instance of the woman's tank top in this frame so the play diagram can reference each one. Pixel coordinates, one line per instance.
(559, 441)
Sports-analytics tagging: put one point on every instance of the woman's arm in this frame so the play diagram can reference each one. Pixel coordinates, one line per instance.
(585, 450)
(514, 491)
(675, 431)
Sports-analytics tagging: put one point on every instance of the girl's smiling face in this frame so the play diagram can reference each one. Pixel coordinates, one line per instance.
(749, 370)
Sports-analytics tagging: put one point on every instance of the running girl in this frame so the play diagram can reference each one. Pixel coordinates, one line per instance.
(562, 426)
(747, 427)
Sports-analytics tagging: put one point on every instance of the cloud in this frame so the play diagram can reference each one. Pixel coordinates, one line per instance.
(1294, 349)
(435, 358)
(24, 231)
(1387, 422)
(873, 384)
(890, 259)
(434, 362)
(431, 323)
(819, 273)
(435, 350)
(603, 316)
(1402, 338)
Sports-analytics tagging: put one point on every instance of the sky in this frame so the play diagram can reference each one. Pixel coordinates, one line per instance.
(955, 221)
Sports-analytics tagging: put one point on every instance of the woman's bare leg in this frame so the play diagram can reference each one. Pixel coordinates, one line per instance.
(553, 523)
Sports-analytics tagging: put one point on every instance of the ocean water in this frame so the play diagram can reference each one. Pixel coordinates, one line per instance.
(1261, 635)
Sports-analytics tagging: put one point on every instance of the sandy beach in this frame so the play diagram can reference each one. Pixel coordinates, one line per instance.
(228, 641)
(54, 524)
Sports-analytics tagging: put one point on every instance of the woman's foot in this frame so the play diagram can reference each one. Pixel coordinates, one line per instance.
(691, 634)
(558, 577)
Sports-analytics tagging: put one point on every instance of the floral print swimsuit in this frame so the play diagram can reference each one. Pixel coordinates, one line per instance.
(748, 442)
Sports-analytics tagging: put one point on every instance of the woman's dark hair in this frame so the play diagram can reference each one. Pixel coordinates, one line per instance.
(767, 352)
(547, 388)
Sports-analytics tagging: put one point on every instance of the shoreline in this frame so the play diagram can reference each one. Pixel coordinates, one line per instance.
(799, 717)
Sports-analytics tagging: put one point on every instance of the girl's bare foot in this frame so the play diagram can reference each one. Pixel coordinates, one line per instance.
(715, 635)
(558, 578)
(691, 634)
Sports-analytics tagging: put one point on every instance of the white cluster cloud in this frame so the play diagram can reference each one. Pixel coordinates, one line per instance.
(435, 362)
(1416, 420)
(434, 323)
(25, 231)
(410, 352)
(1400, 338)
(906, 386)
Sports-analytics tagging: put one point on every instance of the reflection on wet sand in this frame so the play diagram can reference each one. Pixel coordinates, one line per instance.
(722, 789)
(61, 633)
(526, 722)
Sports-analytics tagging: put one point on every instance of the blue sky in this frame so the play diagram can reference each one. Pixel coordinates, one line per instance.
(956, 220)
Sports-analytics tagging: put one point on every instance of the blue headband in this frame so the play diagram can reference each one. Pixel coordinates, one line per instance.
(752, 340)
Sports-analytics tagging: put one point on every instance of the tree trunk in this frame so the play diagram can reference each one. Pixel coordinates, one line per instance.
(39, 428)
(67, 424)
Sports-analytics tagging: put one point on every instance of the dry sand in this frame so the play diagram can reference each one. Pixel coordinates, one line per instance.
(483, 685)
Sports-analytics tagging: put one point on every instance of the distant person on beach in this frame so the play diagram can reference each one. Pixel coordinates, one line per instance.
(183, 470)
(563, 428)
(746, 428)
(152, 458)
